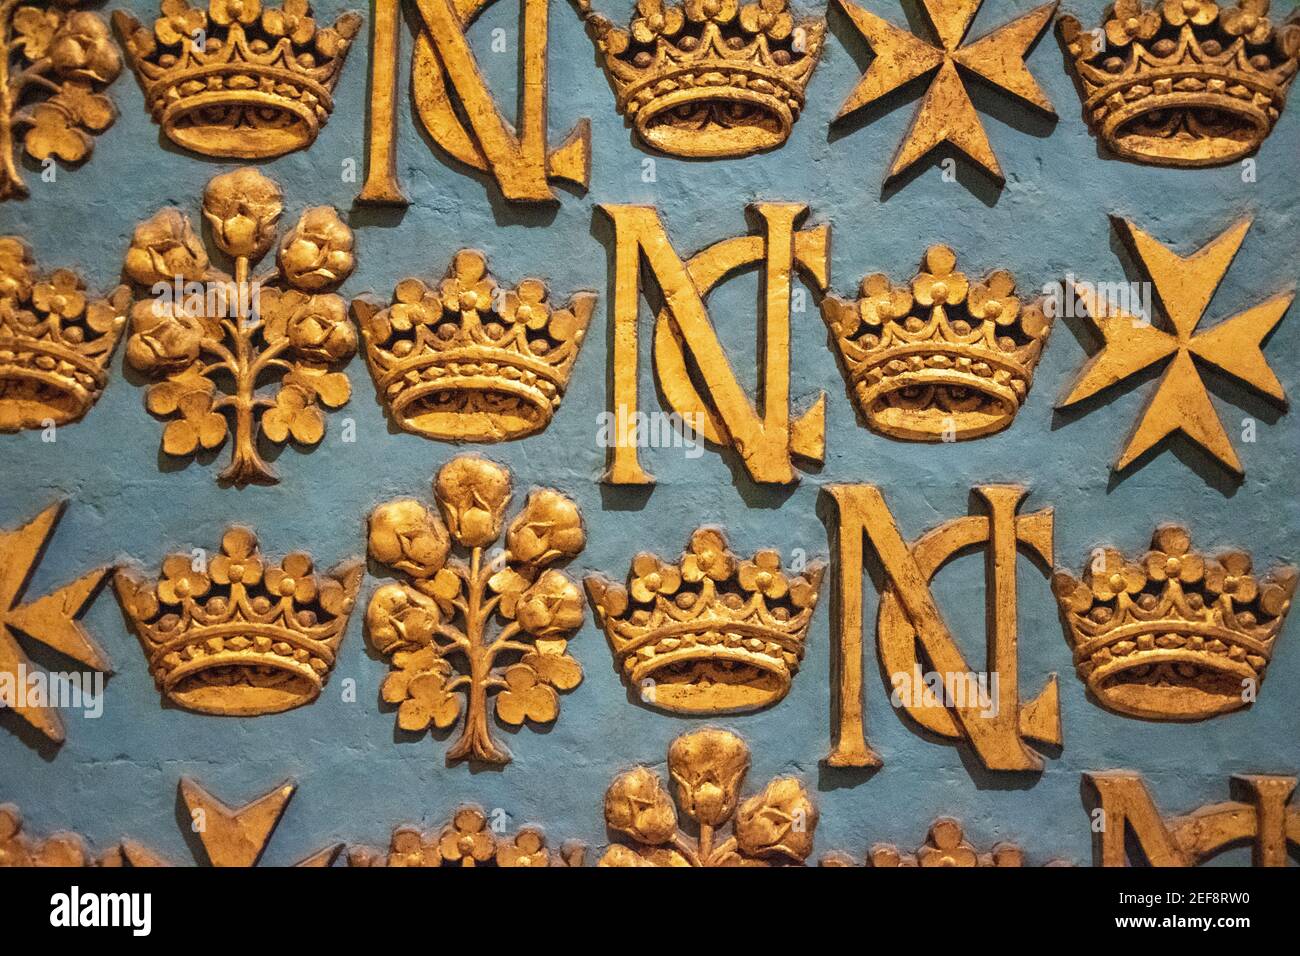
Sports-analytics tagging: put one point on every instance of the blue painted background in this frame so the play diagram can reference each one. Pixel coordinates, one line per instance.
(358, 776)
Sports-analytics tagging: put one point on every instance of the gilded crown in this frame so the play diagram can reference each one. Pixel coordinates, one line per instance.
(711, 633)
(231, 635)
(710, 78)
(467, 359)
(238, 80)
(1174, 635)
(55, 341)
(1186, 82)
(941, 359)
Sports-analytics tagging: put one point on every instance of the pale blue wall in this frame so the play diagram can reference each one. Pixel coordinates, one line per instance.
(117, 775)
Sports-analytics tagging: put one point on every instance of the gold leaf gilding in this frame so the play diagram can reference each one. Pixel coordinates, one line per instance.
(463, 632)
(260, 85)
(214, 342)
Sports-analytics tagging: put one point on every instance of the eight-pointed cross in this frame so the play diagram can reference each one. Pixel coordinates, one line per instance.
(947, 114)
(1183, 287)
(51, 620)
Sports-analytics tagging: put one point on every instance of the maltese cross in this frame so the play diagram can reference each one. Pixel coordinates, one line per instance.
(947, 113)
(1183, 288)
(231, 836)
(49, 620)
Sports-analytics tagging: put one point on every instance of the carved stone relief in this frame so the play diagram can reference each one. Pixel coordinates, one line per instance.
(1184, 286)
(55, 63)
(947, 115)
(214, 342)
(236, 634)
(941, 358)
(766, 438)
(1173, 634)
(487, 628)
(469, 359)
(1183, 85)
(460, 113)
(709, 79)
(707, 768)
(50, 620)
(240, 79)
(1263, 818)
(56, 341)
(711, 634)
(987, 715)
(469, 838)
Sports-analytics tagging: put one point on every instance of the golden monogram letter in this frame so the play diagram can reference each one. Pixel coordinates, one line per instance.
(1124, 806)
(447, 85)
(950, 700)
(766, 439)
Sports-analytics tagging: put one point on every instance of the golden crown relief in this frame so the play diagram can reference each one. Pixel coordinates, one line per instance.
(711, 634)
(238, 635)
(238, 80)
(55, 62)
(945, 846)
(216, 340)
(709, 78)
(468, 359)
(1173, 634)
(708, 768)
(495, 626)
(1183, 82)
(56, 341)
(468, 839)
(941, 358)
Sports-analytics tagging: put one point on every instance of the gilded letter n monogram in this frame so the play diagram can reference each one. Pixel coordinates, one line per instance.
(910, 622)
(765, 438)
(445, 75)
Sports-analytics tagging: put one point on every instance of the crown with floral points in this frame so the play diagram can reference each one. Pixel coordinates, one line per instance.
(943, 359)
(469, 360)
(238, 80)
(1174, 635)
(709, 78)
(711, 634)
(1183, 82)
(945, 846)
(235, 637)
(468, 839)
(55, 341)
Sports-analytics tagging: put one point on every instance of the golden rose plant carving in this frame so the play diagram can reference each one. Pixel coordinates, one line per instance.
(215, 341)
(708, 768)
(55, 62)
(490, 626)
